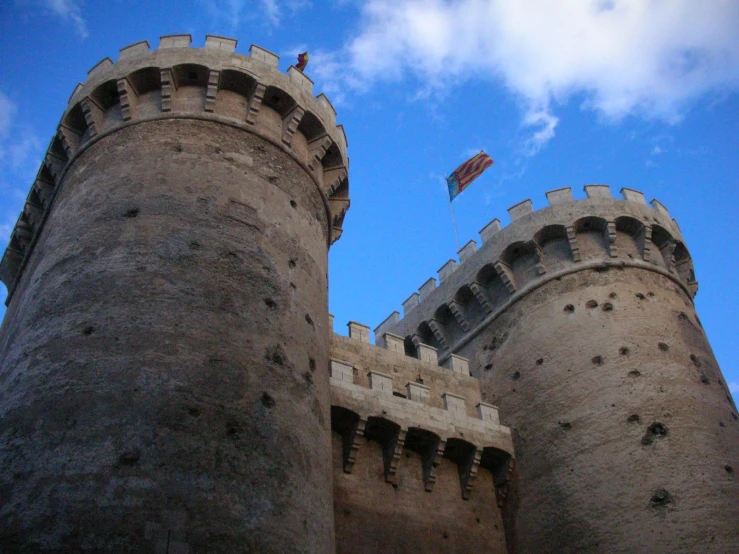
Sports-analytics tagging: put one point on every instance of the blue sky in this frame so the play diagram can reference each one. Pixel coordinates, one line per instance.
(632, 93)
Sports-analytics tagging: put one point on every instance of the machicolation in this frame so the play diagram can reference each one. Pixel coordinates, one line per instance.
(597, 233)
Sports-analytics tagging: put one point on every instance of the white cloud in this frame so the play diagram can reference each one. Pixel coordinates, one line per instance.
(469, 152)
(331, 70)
(11, 197)
(734, 388)
(225, 11)
(24, 152)
(69, 10)
(5, 229)
(650, 58)
(294, 50)
(20, 152)
(543, 124)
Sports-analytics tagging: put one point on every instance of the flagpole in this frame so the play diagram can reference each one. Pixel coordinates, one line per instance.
(454, 224)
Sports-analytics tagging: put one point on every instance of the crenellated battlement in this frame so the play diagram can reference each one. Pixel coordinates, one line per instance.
(569, 235)
(383, 394)
(396, 344)
(212, 83)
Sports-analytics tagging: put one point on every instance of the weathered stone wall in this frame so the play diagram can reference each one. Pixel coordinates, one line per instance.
(579, 321)
(415, 468)
(164, 380)
(626, 437)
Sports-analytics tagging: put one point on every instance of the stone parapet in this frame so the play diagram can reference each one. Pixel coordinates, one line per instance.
(213, 83)
(596, 233)
(368, 361)
(426, 356)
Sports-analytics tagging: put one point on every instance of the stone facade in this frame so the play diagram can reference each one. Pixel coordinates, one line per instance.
(170, 381)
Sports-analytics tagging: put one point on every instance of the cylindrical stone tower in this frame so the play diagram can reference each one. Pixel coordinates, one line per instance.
(579, 321)
(164, 356)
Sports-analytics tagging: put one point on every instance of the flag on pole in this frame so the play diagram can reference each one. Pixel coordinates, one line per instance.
(302, 61)
(467, 172)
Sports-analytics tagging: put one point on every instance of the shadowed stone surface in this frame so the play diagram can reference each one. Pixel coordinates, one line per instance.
(145, 379)
(413, 472)
(164, 382)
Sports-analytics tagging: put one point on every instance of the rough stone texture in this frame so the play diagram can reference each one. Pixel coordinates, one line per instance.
(588, 467)
(164, 381)
(374, 516)
(155, 372)
(176, 81)
(579, 322)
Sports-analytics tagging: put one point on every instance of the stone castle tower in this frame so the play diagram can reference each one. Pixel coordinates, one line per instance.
(579, 322)
(169, 380)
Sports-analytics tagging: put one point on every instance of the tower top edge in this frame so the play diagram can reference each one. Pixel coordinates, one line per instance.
(218, 53)
(142, 85)
(564, 215)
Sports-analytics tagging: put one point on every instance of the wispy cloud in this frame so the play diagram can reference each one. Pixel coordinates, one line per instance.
(330, 69)
(233, 13)
(20, 146)
(225, 12)
(20, 151)
(734, 388)
(23, 154)
(272, 11)
(469, 152)
(6, 227)
(69, 11)
(626, 57)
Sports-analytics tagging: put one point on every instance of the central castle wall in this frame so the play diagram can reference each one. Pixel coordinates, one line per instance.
(420, 463)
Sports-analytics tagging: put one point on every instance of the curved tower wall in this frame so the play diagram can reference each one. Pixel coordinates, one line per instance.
(579, 321)
(164, 357)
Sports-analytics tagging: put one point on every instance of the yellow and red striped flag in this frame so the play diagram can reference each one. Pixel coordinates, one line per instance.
(302, 61)
(467, 172)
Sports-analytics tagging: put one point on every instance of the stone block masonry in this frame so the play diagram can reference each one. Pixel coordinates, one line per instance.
(579, 321)
(177, 82)
(164, 358)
